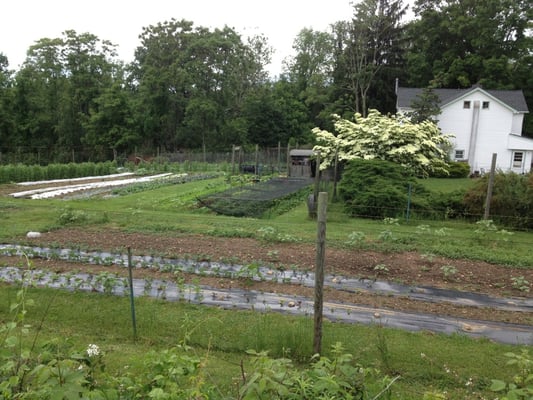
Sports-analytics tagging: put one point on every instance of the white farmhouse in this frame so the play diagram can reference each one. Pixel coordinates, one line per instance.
(482, 122)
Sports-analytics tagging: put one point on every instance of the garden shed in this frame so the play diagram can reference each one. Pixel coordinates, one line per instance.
(301, 163)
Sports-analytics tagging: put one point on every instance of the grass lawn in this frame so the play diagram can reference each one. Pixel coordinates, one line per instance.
(425, 362)
(447, 185)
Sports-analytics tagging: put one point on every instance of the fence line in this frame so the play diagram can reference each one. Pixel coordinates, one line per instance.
(42, 155)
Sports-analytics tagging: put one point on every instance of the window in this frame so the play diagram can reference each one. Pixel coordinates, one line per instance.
(485, 105)
(518, 158)
(459, 154)
(466, 104)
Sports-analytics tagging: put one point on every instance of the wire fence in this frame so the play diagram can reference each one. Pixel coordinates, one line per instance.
(269, 159)
(467, 226)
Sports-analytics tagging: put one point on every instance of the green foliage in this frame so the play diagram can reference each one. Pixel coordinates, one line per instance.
(69, 216)
(56, 90)
(271, 234)
(172, 374)
(512, 199)
(374, 188)
(276, 115)
(26, 173)
(26, 373)
(356, 239)
(71, 91)
(338, 377)
(111, 122)
(425, 107)
(521, 386)
(172, 180)
(220, 339)
(458, 170)
(454, 169)
(448, 205)
(380, 189)
(381, 269)
(448, 271)
(368, 53)
(459, 44)
(215, 83)
(520, 283)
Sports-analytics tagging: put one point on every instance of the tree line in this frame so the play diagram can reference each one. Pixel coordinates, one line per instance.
(191, 87)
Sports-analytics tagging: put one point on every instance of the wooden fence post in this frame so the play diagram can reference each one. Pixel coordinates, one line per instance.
(490, 186)
(319, 271)
(256, 160)
(288, 160)
(132, 295)
(233, 159)
(279, 158)
(335, 173)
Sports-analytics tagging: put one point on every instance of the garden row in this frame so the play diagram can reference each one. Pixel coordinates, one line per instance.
(14, 173)
(25, 173)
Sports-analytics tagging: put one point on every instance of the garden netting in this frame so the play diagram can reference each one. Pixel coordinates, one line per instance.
(255, 199)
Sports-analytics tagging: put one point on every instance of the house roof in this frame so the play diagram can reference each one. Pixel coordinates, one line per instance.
(512, 98)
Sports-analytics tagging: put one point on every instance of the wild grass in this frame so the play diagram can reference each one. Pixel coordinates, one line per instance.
(457, 365)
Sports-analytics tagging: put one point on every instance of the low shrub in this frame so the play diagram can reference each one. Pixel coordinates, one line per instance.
(455, 170)
(446, 205)
(72, 217)
(377, 189)
(512, 199)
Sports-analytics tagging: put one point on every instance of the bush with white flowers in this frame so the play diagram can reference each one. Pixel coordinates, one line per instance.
(420, 147)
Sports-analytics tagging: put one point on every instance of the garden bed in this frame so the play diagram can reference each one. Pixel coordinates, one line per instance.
(406, 268)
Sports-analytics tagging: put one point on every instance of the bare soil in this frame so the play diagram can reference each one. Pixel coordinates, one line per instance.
(407, 268)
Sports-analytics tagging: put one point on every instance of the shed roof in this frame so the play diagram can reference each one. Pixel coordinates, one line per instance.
(301, 152)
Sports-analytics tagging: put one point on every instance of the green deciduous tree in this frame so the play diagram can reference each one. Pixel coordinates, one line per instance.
(369, 43)
(201, 120)
(458, 43)
(7, 115)
(39, 88)
(419, 147)
(57, 87)
(276, 115)
(110, 126)
(181, 70)
(310, 70)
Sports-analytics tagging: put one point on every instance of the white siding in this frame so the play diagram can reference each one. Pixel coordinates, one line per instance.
(494, 125)
(516, 127)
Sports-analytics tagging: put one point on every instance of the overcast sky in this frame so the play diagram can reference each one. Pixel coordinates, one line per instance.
(22, 22)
